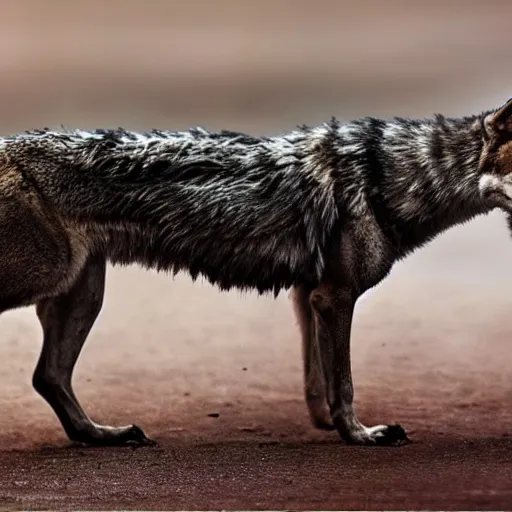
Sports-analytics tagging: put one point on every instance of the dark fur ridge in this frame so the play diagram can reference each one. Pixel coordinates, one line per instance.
(255, 212)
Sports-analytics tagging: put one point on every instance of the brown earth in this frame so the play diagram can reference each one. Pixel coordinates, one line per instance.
(431, 346)
(431, 353)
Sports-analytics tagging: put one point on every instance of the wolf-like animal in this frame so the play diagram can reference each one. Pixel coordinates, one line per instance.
(323, 211)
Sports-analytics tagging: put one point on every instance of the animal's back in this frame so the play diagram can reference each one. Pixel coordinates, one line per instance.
(243, 211)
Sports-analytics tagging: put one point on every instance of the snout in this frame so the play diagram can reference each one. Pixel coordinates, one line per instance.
(496, 191)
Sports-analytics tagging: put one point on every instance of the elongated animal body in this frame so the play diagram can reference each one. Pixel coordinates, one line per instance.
(323, 211)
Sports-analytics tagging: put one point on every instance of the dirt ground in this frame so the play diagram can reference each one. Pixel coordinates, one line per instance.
(430, 352)
(432, 345)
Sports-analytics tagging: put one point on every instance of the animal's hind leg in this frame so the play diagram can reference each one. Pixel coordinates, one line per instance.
(314, 383)
(66, 321)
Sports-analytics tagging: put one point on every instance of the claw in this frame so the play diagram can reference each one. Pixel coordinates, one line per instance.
(395, 435)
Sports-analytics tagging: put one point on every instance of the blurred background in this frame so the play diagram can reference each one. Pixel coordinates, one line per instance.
(167, 352)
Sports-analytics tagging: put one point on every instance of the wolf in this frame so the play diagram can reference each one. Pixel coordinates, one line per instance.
(322, 211)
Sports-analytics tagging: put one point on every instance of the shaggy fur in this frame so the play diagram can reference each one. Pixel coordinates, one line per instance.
(325, 211)
(274, 202)
(237, 209)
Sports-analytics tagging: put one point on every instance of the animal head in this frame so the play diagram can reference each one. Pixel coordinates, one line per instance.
(495, 176)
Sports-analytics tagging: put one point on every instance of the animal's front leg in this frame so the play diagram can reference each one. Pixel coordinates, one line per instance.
(66, 321)
(334, 307)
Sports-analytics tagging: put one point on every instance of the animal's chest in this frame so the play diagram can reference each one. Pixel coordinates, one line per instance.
(366, 252)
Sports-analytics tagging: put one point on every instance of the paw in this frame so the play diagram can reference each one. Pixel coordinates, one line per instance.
(99, 435)
(135, 436)
(380, 435)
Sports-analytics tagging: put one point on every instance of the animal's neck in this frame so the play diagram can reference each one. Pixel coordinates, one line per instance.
(423, 177)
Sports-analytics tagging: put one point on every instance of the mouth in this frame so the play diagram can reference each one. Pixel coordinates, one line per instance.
(498, 199)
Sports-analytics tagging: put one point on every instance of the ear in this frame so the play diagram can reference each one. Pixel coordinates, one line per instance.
(501, 120)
